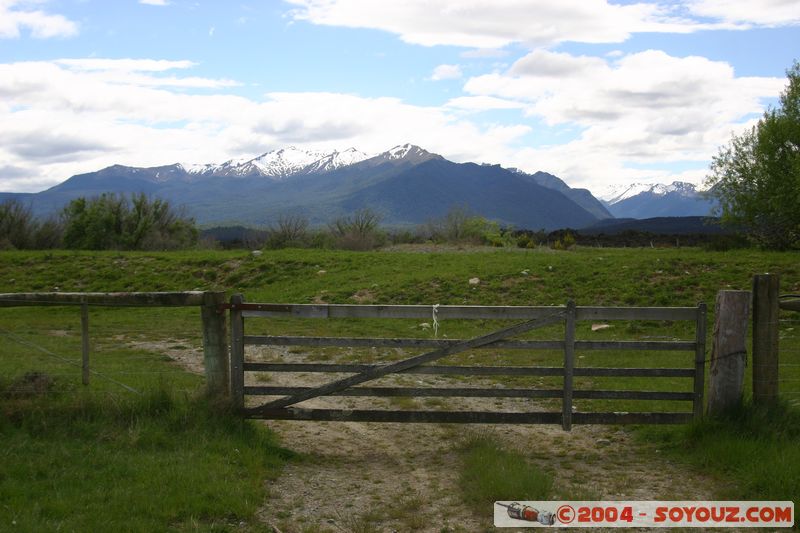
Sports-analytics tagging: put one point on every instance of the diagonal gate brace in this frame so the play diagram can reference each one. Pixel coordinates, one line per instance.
(377, 372)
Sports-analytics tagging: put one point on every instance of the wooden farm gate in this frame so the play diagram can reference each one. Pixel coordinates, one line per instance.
(284, 407)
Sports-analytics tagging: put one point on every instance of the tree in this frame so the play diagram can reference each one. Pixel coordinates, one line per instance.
(19, 229)
(111, 222)
(358, 231)
(461, 226)
(756, 177)
(17, 225)
(291, 230)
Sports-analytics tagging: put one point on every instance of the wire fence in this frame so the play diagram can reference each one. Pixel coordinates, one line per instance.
(134, 348)
(789, 356)
(131, 350)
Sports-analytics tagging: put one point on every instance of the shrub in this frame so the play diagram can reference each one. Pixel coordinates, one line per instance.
(460, 226)
(359, 231)
(19, 229)
(290, 231)
(111, 222)
(17, 225)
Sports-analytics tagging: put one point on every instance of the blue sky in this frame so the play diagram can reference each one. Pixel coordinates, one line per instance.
(595, 91)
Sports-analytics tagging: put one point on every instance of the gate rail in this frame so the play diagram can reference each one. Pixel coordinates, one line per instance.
(534, 317)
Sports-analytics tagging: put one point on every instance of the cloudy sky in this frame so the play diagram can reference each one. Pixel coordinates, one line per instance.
(598, 92)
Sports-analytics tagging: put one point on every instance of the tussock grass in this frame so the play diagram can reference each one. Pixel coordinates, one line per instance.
(165, 461)
(493, 472)
(757, 447)
(86, 462)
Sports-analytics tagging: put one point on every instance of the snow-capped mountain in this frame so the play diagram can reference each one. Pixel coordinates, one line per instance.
(405, 184)
(617, 193)
(406, 153)
(647, 200)
(335, 160)
(281, 164)
(399, 152)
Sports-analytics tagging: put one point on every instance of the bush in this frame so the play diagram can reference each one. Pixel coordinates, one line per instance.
(19, 229)
(111, 222)
(359, 231)
(564, 240)
(460, 226)
(16, 225)
(291, 231)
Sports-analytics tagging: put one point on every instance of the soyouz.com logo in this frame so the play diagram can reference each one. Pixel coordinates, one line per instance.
(644, 514)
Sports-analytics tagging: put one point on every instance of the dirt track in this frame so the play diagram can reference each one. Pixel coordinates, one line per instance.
(364, 477)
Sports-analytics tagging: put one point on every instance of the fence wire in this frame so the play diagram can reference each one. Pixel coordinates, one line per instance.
(789, 357)
(40, 352)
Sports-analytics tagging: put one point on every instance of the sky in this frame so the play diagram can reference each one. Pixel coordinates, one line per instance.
(597, 92)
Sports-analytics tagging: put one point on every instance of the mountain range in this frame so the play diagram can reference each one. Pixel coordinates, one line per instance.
(406, 185)
(640, 200)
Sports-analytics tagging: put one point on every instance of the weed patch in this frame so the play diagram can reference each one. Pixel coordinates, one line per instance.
(492, 472)
(137, 464)
(757, 447)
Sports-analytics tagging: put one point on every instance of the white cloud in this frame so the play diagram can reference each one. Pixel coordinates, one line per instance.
(482, 103)
(446, 72)
(154, 2)
(756, 12)
(647, 108)
(139, 72)
(14, 19)
(628, 118)
(61, 118)
(126, 65)
(485, 25)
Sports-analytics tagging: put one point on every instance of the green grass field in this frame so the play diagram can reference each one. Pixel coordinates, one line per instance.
(148, 454)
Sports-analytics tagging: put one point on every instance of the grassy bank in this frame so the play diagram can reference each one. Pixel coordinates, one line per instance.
(178, 462)
(755, 448)
(77, 461)
(591, 276)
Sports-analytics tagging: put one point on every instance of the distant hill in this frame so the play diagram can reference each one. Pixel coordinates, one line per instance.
(582, 197)
(678, 199)
(658, 225)
(406, 185)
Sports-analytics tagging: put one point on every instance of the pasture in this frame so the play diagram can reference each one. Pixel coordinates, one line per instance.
(108, 454)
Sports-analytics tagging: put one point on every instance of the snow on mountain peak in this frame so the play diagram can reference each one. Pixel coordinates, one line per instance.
(401, 151)
(618, 193)
(676, 187)
(285, 161)
(337, 159)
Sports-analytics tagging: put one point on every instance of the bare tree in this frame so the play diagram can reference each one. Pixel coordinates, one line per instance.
(290, 230)
(359, 231)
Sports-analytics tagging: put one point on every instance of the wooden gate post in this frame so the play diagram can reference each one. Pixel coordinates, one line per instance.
(237, 352)
(728, 350)
(765, 337)
(569, 366)
(215, 344)
(699, 360)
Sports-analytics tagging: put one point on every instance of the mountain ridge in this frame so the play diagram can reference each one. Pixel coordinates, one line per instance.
(641, 201)
(407, 184)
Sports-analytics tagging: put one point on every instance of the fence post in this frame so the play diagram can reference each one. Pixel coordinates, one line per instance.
(569, 366)
(728, 350)
(237, 352)
(699, 361)
(85, 343)
(215, 344)
(765, 337)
